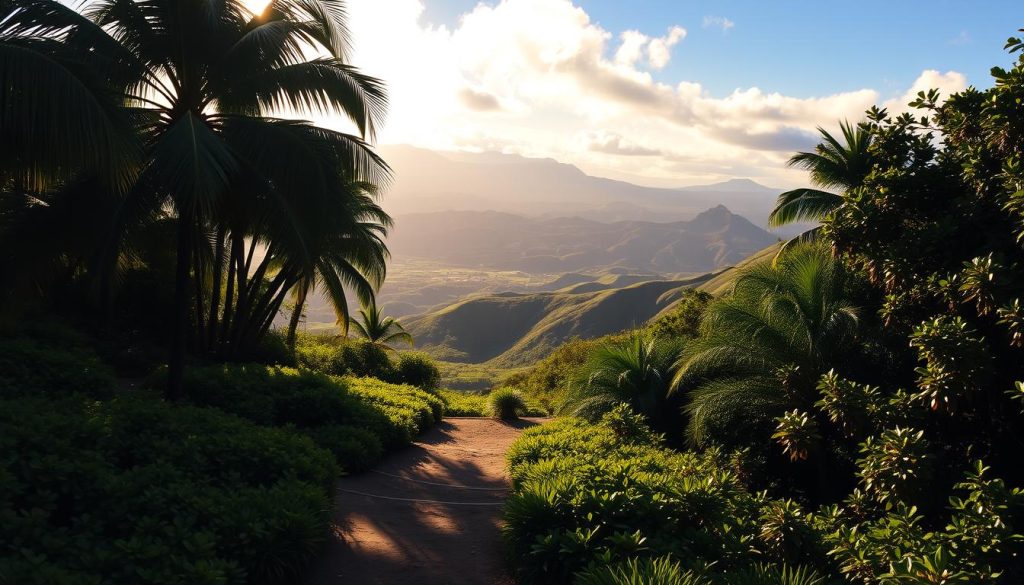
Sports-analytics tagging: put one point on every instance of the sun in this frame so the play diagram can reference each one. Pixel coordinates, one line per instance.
(256, 6)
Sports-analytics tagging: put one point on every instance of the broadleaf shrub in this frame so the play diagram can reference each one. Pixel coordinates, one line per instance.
(138, 491)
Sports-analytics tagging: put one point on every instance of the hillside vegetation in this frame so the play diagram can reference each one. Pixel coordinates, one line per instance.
(515, 329)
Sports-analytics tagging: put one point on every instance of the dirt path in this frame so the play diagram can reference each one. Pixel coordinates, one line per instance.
(452, 539)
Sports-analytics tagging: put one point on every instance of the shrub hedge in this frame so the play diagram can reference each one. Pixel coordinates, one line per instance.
(354, 418)
(138, 491)
(29, 368)
(587, 496)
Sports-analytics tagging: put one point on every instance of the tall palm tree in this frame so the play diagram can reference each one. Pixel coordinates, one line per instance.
(202, 82)
(378, 329)
(834, 165)
(636, 370)
(764, 347)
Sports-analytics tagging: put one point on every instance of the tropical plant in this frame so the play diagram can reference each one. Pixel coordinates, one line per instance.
(378, 329)
(200, 83)
(348, 254)
(506, 404)
(833, 165)
(636, 370)
(764, 347)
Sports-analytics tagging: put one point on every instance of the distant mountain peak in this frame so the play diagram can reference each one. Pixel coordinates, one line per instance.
(716, 214)
(733, 186)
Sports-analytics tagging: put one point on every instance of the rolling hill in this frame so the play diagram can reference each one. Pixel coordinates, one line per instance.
(513, 329)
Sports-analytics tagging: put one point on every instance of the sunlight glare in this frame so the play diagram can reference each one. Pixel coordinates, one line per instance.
(256, 6)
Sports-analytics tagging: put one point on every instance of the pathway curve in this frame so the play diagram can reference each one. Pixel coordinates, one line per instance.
(450, 536)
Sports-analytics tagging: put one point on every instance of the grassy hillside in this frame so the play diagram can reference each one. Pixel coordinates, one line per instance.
(511, 329)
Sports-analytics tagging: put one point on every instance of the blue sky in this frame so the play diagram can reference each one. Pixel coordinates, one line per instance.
(809, 48)
(665, 92)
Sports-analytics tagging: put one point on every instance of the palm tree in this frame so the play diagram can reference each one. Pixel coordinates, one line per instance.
(378, 329)
(350, 256)
(201, 81)
(834, 165)
(764, 347)
(636, 370)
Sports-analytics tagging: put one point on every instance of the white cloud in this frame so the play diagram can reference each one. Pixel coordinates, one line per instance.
(540, 78)
(659, 51)
(718, 22)
(947, 83)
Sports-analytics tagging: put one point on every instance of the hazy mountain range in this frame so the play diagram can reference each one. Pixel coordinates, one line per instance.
(427, 181)
(502, 241)
(541, 251)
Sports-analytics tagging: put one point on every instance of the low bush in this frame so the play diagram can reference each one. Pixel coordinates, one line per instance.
(402, 401)
(339, 356)
(418, 369)
(30, 368)
(464, 403)
(356, 419)
(137, 491)
(589, 496)
(506, 404)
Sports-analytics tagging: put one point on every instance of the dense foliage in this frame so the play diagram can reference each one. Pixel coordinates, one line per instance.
(588, 496)
(871, 384)
(340, 356)
(134, 491)
(128, 124)
(355, 418)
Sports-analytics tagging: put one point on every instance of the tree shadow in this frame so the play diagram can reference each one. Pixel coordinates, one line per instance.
(453, 537)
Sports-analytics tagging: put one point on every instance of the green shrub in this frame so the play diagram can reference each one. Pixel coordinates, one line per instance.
(506, 404)
(336, 413)
(137, 491)
(401, 401)
(357, 449)
(663, 571)
(339, 356)
(464, 403)
(591, 495)
(418, 369)
(28, 368)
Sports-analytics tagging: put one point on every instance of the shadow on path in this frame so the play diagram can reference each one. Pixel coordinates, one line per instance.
(451, 535)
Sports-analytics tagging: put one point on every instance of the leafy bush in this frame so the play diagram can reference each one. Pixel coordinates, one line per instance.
(417, 369)
(353, 418)
(664, 571)
(464, 403)
(400, 401)
(28, 368)
(590, 495)
(138, 491)
(506, 404)
(339, 356)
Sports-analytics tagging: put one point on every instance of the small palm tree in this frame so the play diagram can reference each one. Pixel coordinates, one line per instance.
(833, 165)
(636, 370)
(378, 329)
(763, 348)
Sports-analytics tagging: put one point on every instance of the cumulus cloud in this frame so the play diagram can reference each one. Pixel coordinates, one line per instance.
(659, 50)
(611, 143)
(718, 22)
(479, 101)
(533, 76)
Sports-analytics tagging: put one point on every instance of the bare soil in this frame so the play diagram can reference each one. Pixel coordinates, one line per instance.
(435, 530)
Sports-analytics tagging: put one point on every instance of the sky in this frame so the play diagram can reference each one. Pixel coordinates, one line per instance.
(663, 92)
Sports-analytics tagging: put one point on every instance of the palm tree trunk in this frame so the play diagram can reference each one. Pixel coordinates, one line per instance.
(293, 323)
(218, 271)
(200, 311)
(229, 301)
(179, 333)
